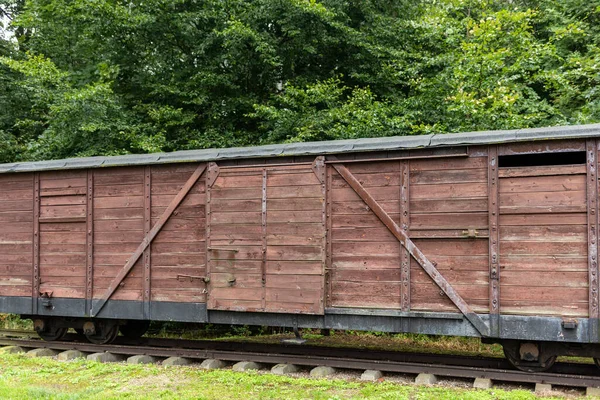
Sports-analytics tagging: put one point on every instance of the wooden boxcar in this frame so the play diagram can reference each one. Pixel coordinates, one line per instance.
(489, 234)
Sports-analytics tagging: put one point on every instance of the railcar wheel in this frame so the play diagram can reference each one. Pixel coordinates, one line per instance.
(134, 329)
(105, 333)
(517, 354)
(597, 362)
(53, 333)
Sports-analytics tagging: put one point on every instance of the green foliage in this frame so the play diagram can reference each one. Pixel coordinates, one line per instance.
(113, 77)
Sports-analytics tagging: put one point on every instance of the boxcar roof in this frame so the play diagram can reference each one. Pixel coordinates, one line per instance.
(316, 148)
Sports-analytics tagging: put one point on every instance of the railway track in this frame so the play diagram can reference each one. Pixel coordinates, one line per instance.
(446, 366)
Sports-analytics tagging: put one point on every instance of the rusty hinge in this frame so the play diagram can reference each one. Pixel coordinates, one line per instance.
(204, 279)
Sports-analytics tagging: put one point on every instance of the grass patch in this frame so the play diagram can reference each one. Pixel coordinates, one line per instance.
(12, 321)
(25, 378)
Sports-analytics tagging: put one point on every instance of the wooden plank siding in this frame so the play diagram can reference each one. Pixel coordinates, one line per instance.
(266, 249)
(16, 236)
(63, 238)
(448, 199)
(282, 238)
(543, 240)
(365, 256)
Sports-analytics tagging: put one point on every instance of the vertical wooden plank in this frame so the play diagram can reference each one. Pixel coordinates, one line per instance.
(36, 242)
(404, 224)
(89, 270)
(592, 216)
(264, 238)
(147, 227)
(493, 209)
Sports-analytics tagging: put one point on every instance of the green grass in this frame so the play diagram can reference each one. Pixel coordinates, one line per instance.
(26, 378)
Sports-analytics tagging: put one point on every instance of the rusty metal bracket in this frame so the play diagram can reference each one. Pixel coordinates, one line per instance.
(414, 251)
(212, 174)
(149, 238)
(318, 167)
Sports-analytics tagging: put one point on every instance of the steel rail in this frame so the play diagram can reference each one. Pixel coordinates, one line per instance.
(336, 361)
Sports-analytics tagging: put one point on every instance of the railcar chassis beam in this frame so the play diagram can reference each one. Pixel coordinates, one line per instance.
(414, 251)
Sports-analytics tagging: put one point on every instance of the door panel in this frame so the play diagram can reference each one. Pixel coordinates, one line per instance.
(265, 237)
(543, 241)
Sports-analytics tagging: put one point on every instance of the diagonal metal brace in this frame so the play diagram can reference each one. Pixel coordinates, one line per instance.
(414, 251)
(148, 239)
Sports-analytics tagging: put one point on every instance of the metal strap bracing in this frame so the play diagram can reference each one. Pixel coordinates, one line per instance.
(404, 224)
(494, 239)
(89, 270)
(592, 214)
(36, 243)
(148, 238)
(414, 251)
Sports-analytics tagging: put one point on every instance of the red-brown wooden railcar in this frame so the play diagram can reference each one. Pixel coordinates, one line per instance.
(490, 234)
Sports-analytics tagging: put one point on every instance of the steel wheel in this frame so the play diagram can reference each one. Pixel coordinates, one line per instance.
(545, 362)
(53, 333)
(105, 333)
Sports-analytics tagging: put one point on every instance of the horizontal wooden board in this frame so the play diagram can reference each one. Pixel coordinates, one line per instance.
(119, 225)
(453, 163)
(283, 296)
(302, 178)
(559, 294)
(118, 190)
(118, 213)
(528, 279)
(543, 199)
(425, 206)
(453, 247)
(242, 217)
(544, 170)
(63, 211)
(542, 219)
(235, 266)
(341, 249)
(550, 183)
(542, 248)
(63, 183)
(285, 192)
(16, 216)
(448, 191)
(543, 263)
(10, 195)
(300, 253)
(294, 216)
(294, 267)
(448, 176)
(16, 205)
(465, 221)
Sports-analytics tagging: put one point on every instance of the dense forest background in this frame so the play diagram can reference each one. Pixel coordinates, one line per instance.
(92, 77)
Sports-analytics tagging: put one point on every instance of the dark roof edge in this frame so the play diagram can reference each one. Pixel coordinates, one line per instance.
(315, 148)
